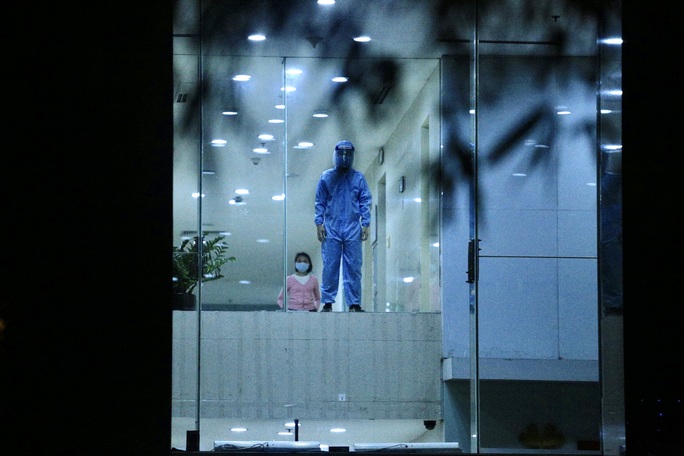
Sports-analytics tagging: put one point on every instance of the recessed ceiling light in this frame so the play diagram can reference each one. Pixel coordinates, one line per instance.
(263, 241)
(230, 112)
(276, 121)
(519, 174)
(280, 197)
(219, 142)
(256, 37)
(241, 191)
(340, 79)
(285, 433)
(238, 429)
(338, 430)
(242, 77)
(288, 89)
(305, 144)
(265, 137)
(293, 71)
(280, 106)
(362, 39)
(197, 195)
(260, 150)
(245, 282)
(208, 171)
(326, 2)
(320, 113)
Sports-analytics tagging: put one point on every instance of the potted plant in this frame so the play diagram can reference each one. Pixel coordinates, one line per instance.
(186, 269)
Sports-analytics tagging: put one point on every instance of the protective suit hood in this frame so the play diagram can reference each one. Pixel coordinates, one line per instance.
(343, 156)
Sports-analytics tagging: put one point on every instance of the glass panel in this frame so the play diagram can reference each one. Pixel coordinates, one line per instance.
(610, 232)
(537, 188)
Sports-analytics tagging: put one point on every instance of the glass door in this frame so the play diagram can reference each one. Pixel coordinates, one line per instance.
(535, 230)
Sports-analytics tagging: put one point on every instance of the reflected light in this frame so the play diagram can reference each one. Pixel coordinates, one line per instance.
(238, 429)
(613, 41)
(241, 191)
(326, 2)
(245, 282)
(280, 106)
(242, 77)
(408, 279)
(362, 39)
(274, 121)
(265, 137)
(280, 197)
(294, 71)
(218, 143)
(230, 112)
(519, 174)
(338, 430)
(340, 79)
(256, 37)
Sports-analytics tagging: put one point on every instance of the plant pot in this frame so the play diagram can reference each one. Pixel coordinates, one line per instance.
(184, 301)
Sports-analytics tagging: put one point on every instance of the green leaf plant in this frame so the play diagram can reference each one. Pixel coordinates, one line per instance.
(185, 262)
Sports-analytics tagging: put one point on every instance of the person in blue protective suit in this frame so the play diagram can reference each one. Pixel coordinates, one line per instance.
(343, 207)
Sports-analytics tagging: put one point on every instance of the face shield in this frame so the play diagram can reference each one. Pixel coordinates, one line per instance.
(343, 157)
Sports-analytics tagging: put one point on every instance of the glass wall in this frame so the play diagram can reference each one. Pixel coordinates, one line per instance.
(487, 158)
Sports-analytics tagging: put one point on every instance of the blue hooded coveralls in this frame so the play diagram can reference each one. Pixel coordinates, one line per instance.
(343, 205)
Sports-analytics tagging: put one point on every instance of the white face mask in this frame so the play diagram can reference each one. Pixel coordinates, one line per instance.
(302, 267)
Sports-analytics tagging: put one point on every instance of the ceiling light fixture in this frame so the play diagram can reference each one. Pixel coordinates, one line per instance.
(218, 143)
(338, 430)
(242, 77)
(340, 79)
(238, 429)
(256, 37)
(230, 112)
(362, 39)
(326, 2)
(276, 121)
(265, 137)
(320, 113)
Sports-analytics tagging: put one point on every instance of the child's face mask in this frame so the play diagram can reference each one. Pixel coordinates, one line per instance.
(302, 267)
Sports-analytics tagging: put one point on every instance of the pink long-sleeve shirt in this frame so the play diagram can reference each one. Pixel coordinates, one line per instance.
(301, 296)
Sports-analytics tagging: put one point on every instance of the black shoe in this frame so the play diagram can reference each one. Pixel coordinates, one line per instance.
(327, 307)
(355, 308)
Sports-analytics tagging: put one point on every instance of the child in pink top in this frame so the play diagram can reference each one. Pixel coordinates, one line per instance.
(303, 292)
